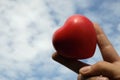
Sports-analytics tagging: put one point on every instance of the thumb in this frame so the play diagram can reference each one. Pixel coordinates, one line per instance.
(101, 68)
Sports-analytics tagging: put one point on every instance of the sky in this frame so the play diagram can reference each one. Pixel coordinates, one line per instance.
(27, 27)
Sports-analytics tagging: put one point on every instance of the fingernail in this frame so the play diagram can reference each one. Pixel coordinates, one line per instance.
(85, 69)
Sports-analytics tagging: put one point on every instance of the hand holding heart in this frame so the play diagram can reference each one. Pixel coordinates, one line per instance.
(109, 68)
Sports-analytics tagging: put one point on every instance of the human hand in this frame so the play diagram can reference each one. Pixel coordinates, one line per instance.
(109, 68)
(75, 65)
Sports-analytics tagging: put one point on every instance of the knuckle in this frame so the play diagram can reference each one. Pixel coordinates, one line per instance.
(99, 64)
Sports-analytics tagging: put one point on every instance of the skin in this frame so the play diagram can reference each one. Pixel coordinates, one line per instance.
(108, 69)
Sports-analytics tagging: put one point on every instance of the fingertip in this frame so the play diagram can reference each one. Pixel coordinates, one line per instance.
(95, 23)
(54, 55)
(58, 57)
(98, 29)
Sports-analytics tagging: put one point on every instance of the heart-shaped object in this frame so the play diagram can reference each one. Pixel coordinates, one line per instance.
(76, 38)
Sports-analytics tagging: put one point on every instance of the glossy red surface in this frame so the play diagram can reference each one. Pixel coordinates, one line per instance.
(76, 38)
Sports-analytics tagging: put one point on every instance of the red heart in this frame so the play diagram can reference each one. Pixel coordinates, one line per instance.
(76, 38)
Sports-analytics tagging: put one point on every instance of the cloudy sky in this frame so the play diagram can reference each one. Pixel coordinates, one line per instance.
(26, 29)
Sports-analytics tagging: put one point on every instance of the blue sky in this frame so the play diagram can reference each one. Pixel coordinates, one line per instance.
(26, 29)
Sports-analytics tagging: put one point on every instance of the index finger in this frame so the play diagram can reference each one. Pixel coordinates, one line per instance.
(108, 52)
(72, 64)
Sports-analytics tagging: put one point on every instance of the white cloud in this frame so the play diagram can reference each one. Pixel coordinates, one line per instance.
(60, 9)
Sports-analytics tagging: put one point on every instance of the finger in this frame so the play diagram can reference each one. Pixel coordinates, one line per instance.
(72, 64)
(80, 77)
(100, 68)
(97, 78)
(108, 52)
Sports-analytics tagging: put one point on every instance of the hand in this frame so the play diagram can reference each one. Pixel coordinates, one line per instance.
(109, 68)
(75, 65)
